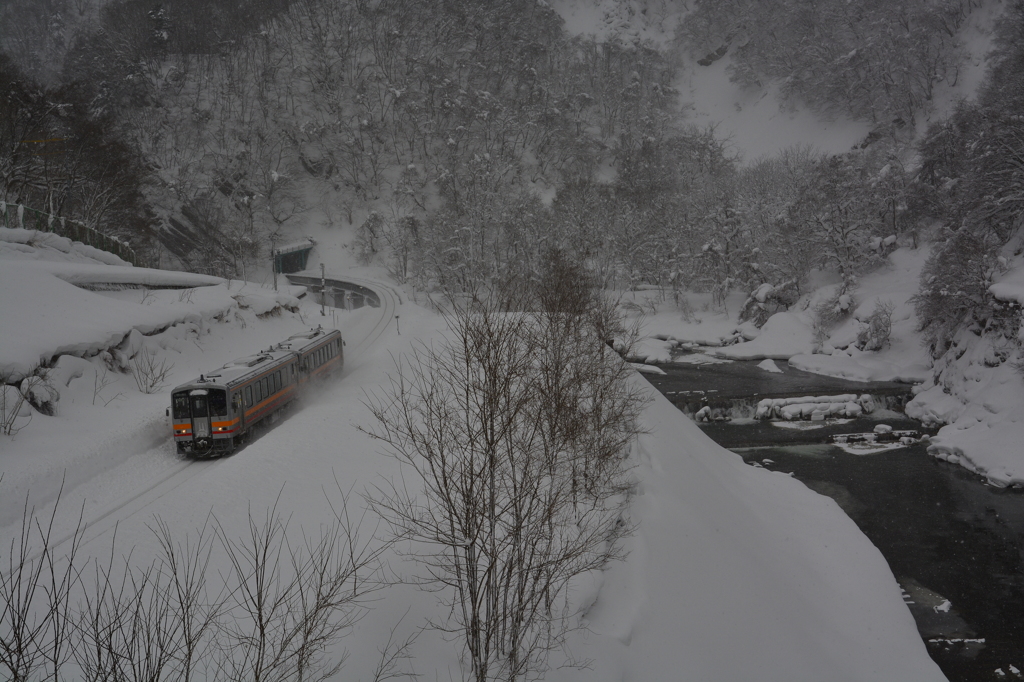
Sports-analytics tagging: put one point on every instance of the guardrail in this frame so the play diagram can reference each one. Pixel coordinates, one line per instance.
(339, 293)
(20, 216)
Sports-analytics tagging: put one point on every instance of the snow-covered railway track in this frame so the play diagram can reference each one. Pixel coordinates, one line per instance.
(389, 302)
(105, 518)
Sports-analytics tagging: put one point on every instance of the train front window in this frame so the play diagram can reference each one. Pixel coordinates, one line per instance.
(199, 406)
(180, 406)
(218, 403)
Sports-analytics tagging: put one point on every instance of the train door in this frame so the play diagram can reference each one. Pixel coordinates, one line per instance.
(201, 433)
(238, 409)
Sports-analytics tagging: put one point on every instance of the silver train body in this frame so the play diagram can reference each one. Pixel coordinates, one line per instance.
(217, 412)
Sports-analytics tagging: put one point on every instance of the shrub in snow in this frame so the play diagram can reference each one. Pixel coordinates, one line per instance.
(40, 393)
(768, 299)
(878, 328)
(150, 376)
(686, 312)
(15, 413)
(829, 313)
(16, 402)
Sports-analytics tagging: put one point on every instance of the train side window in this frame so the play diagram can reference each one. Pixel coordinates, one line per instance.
(218, 403)
(277, 380)
(266, 391)
(248, 396)
(257, 390)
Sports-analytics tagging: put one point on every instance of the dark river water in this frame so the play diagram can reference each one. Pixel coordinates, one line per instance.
(954, 543)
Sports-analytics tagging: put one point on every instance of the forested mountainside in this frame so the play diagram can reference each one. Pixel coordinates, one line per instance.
(457, 140)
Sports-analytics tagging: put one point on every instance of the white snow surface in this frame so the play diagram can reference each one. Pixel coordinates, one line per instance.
(734, 573)
(45, 316)
(35, 245)
(1010, 287)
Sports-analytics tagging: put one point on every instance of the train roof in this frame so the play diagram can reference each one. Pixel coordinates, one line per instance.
(304, 340)
(240, 369)
(243, 368)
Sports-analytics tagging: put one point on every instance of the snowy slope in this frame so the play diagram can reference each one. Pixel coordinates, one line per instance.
(734, 572)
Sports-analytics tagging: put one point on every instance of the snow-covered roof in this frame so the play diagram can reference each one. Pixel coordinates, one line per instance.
(292, 247)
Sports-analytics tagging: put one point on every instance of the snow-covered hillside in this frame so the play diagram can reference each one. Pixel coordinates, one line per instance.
(733, 573)
(755, 120)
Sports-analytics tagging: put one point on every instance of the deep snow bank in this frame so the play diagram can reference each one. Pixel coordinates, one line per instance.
(44, 316)
(738, 573)
(978, 395)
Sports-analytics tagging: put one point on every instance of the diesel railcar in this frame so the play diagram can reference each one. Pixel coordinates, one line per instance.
(217, 412)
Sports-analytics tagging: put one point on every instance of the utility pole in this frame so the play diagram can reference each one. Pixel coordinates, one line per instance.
(273, 258)
(323, 290)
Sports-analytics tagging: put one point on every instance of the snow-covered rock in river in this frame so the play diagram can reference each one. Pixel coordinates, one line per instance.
(807, 407)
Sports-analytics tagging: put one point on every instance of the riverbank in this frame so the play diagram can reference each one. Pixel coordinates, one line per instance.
(976, 399)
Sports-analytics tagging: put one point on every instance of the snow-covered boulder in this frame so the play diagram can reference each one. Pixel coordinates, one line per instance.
(813, 407)
(784, 335)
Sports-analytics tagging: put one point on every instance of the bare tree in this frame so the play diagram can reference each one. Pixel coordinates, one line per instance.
(126, 628)
(287, 605)
(35, 589)
(184, 566)
(150, 376)
(521, 475)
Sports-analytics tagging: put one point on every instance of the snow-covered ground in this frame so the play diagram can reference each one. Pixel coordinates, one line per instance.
(733, 573)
